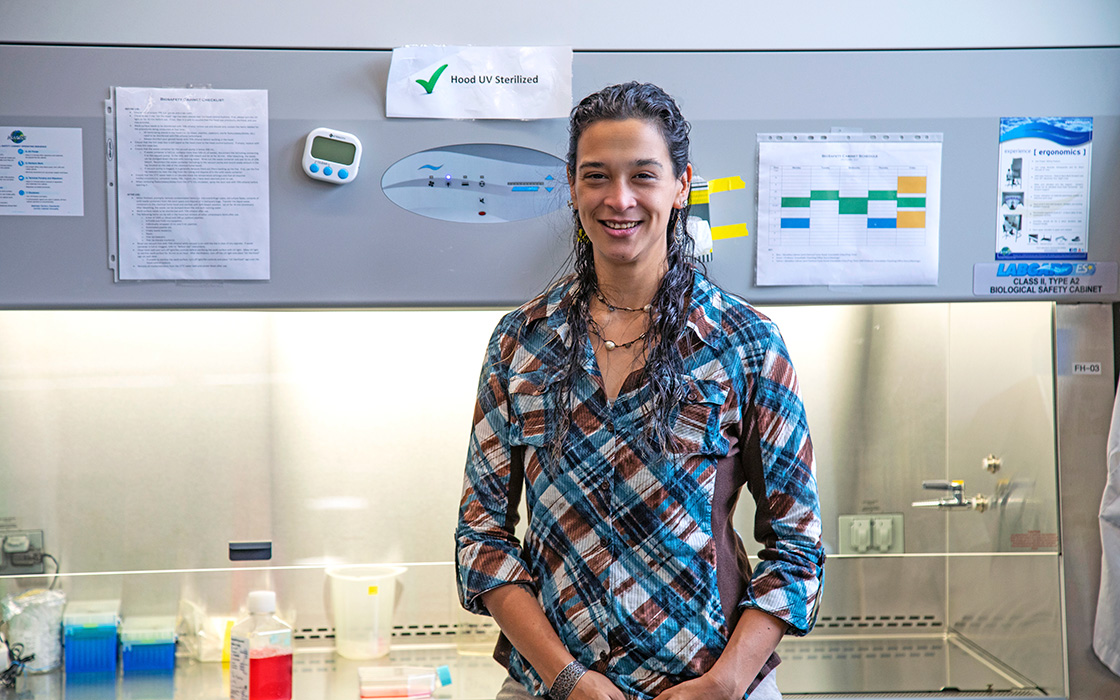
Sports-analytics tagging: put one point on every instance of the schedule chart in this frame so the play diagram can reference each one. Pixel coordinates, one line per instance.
(849, 205)
(848, 208)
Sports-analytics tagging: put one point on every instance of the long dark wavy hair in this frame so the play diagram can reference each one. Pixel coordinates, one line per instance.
(664, 366)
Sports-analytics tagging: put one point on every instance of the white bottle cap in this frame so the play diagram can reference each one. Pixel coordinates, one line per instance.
(262, 601)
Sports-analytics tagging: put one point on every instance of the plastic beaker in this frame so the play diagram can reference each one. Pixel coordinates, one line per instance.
(362, 600)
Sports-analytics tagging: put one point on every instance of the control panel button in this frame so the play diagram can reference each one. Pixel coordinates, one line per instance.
(342, 174)
(314, 167)
(328, 170)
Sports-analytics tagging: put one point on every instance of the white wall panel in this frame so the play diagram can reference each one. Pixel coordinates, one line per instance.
(582, 24)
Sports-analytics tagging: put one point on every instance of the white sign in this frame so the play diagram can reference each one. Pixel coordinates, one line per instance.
(41, 171)
(1044, 280)
(1086, 368)
(848, 208)
(192, 174)
(477, 82)
(1043, 207)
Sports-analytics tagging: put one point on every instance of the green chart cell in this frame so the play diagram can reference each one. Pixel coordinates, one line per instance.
(853, 205)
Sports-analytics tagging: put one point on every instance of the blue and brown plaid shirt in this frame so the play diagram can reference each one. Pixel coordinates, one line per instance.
(631, 551)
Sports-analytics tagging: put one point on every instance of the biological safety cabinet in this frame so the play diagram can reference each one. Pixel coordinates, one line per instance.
(144, 426)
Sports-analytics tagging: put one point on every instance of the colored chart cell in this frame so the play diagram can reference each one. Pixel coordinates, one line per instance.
(911, 184)
(882, 223)
(844, 205)
(911, 219)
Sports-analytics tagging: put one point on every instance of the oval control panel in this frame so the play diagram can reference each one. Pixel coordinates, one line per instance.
(478, 183)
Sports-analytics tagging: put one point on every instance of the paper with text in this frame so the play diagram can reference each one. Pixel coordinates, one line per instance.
(192, 175)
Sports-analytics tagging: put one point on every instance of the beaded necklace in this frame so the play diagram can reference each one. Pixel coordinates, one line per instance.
(612, 307)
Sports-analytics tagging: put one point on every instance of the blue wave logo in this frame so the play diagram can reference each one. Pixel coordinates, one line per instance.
(1045, 269)
(1065, 132)
(429, 167)
(17, 136)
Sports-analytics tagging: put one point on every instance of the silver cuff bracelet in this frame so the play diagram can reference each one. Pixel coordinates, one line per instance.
(566, 681)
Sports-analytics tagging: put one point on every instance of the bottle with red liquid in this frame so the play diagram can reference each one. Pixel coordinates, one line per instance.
(260, 653)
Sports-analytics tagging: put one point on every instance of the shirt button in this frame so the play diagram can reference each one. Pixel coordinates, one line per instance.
(610, 426)
(604, 543)
(602, 656)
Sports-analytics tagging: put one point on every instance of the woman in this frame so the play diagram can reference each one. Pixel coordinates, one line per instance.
(630, 403)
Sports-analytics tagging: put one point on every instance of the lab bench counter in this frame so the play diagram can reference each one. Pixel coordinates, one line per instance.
(851, 668)
(316, 675)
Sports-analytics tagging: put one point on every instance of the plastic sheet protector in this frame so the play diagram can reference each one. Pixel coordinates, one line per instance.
(192, 184)
(848, 209)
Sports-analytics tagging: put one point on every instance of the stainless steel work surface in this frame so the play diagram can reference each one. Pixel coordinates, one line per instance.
(893, 666)
(316, 674)
(850, 667)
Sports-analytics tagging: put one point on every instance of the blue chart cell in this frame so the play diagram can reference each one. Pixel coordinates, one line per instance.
(882, 223)
(795, 223)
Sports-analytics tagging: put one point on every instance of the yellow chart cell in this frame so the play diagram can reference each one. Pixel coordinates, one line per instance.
(911, 219)
(911, 184)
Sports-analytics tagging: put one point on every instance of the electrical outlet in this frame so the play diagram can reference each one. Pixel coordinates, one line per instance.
(871, 533)
(21, 552)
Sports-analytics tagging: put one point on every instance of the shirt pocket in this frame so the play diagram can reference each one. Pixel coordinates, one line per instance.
(699, 424)
(532, 405)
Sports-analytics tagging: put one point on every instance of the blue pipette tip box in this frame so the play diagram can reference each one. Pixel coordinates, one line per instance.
(90, 635)
(148, 643)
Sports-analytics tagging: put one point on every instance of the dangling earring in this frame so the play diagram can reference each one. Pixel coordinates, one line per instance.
(678, 226)
(581, 235)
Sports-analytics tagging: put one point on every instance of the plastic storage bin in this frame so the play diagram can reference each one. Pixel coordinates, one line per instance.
(90, 636)
(148, 643)
(401, 681)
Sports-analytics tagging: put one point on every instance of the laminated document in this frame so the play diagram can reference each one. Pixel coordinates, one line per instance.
(191, 176)
(848, 209)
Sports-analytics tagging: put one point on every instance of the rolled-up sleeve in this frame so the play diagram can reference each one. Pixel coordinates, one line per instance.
(487, 553)
(787, 582)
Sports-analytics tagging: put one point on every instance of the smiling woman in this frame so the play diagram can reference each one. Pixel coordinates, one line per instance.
(625, 191)
(630, 403)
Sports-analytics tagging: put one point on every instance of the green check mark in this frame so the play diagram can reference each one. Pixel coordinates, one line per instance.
(430, 83)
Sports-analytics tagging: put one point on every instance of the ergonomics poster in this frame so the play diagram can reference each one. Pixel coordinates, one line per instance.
(1043, 207)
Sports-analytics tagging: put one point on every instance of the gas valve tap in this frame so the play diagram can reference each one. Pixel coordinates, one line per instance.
(955, 500)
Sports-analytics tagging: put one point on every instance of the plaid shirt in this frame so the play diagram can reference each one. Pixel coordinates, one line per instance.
(631, 553)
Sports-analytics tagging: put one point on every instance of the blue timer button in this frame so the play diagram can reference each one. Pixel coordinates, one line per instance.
(314, 167)
(342, 174)
(328, 170)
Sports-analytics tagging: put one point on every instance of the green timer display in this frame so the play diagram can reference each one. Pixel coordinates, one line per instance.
(333, 150)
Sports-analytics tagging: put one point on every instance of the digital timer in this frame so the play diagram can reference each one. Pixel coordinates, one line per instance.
(332, 156)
